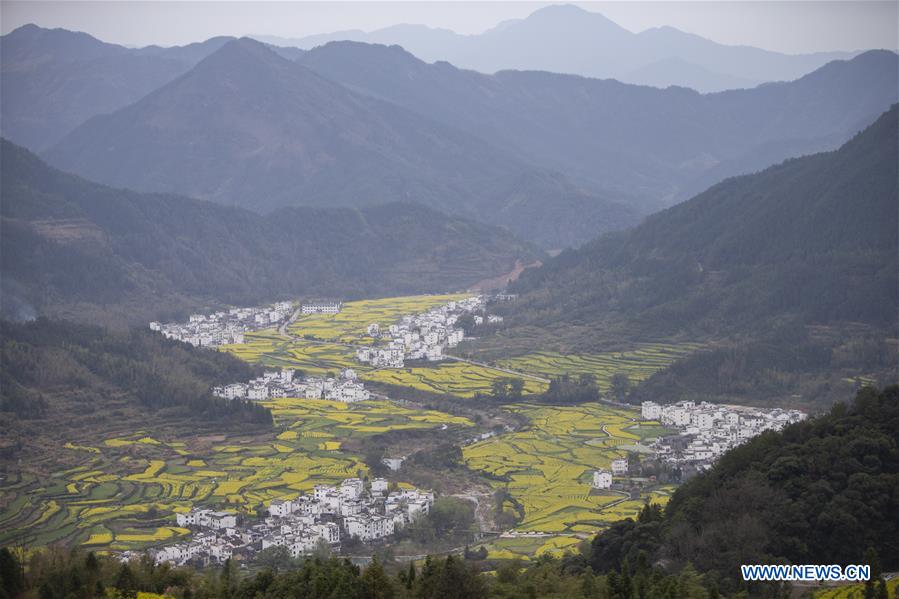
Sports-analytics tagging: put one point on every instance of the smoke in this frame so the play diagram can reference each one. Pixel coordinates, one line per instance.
(13, 305)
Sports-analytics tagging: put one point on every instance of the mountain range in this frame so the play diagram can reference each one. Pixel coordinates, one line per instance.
(558, 159)
(75, 248)
(655, 146)
(248, 127)
(569, 39)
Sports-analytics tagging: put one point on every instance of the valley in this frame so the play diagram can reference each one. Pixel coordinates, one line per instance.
(538, 459)
(414, 301)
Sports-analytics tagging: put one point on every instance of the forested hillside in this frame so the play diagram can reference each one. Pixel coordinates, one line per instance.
(60, 376)
(820, 492)
(812, 239)
(68, 242)
(791, 273)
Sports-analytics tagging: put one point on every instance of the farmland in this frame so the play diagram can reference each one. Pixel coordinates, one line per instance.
(270, 349)
(349, 326)
(126, 489)
(547, 467)
(638, 364)
(120, 490)
(458, 378)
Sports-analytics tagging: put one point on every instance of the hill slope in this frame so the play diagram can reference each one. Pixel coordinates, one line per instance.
(812, 238)
(52, 80)
(67, 241)
(657, 145)
(248, 127)
(791, 275)
(67, 380)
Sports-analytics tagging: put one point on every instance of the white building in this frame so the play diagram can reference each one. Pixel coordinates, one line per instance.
(321, 307)
(379, 486)
(619, 466)
(650, 410)
(602, 479)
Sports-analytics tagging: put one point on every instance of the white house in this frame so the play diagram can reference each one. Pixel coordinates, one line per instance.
(650, 410)
(280, 507)
(379, 486)
(619, 466)
(602, 479)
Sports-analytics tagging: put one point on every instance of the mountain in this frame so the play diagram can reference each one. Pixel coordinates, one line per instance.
(52, 80)
(76, 248)
(568, 39)
(814, 237)
(789, 276)
(655, 147)
(248, 127)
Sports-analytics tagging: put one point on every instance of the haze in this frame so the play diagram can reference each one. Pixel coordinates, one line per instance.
(792, 27)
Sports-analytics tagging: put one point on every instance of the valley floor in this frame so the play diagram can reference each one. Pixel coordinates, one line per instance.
(116, 490)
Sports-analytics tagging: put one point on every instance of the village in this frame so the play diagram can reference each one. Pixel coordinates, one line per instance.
(707, 430)
(423, 336)
(301, 524)
(284, 383)
(225, 327)
(704, 432)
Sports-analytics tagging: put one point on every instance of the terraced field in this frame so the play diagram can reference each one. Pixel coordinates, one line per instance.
(547, 468)
(638, 364)
(459, 378)
(270, 349)
(350, 325)
(126, 490)
(852, 591)
(528, 547)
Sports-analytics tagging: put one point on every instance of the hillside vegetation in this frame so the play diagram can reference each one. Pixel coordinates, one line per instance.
(822, 491)
(797, 265)
(62, 376)
(70, 246)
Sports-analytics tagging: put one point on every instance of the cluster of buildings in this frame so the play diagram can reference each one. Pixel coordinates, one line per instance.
(302, 524)
(224, 327)
(422, 336)
(707, 430)
(602, 478)
(283, 383)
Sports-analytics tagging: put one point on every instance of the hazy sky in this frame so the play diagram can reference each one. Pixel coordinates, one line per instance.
(796, 26)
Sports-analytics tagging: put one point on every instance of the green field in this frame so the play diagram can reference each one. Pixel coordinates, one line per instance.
(127, 489)
(547, 468)
(458, 378)
(638, 364)
(270, 349)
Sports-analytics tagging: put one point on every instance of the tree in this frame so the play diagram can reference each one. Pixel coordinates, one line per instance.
(126, 582)
(375, 583)
(507, 389)
(619, 386)
(275, 558)
(11, 580)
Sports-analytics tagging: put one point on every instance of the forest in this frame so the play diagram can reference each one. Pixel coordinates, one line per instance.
(83, 366)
